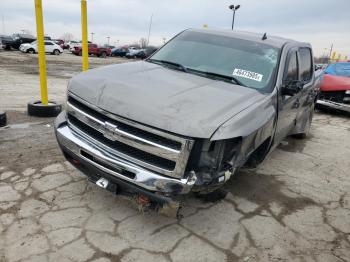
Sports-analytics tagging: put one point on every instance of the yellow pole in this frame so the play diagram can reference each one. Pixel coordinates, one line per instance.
(41, 51)
(85, 53)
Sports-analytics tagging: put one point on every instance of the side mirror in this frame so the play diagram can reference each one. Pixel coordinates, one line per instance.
(292, 87)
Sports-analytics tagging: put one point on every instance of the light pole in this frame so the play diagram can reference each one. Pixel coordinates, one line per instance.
(108, 37)
(92, 37)
(234, 8)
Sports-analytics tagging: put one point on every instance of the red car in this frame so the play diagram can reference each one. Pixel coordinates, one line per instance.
(335, 87)
(93, 50)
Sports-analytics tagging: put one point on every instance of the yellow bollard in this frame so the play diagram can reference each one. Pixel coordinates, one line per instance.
(41, 51)
(85, 52)
(333, 55)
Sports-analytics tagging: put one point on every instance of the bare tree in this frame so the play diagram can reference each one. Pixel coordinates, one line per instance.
(143, 42)
(67, 37)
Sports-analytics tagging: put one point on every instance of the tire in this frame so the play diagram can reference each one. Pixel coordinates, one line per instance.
(36, 108)
(3, 119)
(103, 55)
(306, 132)
(31, 51)
(56, 52)
(80, 53)
(7, 47)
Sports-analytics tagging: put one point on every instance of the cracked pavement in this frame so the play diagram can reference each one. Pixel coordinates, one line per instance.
(294, 207)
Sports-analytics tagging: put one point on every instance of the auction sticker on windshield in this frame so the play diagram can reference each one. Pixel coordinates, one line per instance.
(247, 74)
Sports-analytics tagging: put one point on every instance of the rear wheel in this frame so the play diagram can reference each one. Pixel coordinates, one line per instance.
(31, 51)
(56, 52)
(103, 55)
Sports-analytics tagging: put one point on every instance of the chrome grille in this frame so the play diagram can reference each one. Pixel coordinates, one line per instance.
(151, 148)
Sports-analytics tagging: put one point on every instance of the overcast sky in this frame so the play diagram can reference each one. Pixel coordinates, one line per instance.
(320, 22)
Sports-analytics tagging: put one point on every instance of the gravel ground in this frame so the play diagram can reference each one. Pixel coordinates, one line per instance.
(294, 207)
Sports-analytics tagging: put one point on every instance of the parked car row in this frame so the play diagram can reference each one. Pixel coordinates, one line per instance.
(27, 43)
(134, 52)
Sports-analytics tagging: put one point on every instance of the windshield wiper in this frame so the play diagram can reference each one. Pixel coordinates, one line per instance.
(181, 67)
(216, 75)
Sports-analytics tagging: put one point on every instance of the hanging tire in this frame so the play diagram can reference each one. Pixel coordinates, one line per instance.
(3, 119)
(36, 108)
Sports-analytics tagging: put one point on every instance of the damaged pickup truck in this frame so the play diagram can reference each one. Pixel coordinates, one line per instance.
(185, 119)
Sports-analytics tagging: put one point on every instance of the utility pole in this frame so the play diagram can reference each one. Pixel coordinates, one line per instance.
(108, 37)
(92, 37)
(149, 29)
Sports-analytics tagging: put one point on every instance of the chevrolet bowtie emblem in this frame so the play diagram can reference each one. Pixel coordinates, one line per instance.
(109, 130)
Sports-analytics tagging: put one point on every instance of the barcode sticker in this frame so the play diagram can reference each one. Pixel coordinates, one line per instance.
(247, 74)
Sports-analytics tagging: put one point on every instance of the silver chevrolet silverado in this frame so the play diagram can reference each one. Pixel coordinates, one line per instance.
(185, 119)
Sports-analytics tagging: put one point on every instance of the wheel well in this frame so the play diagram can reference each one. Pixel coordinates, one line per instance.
(259, 154)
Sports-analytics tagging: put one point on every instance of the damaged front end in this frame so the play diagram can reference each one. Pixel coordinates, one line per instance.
(213, 163)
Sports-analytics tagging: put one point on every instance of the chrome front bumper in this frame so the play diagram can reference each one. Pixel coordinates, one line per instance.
(334, 105)
(75, 143)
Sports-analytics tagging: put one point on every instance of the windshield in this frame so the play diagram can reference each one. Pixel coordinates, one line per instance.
(253, 64)
(339, 69)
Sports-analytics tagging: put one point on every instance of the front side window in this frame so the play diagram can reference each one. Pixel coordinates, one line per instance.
(252, 63)
(292, 68)
(305, 64)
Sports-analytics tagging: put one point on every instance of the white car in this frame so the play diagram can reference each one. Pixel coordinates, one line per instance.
(50, 47)
(75, 44)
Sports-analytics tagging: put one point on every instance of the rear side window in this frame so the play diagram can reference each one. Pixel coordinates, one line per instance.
(305, 64)
(292, 69)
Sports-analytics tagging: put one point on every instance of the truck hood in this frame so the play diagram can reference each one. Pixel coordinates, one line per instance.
(160, 97)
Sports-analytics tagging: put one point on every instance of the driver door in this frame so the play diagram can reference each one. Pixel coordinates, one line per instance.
(288, 105)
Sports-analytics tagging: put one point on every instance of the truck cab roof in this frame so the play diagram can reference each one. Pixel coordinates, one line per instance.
(275, 41)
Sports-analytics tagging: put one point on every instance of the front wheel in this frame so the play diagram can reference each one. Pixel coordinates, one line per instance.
(31, 51)
(103, 55)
